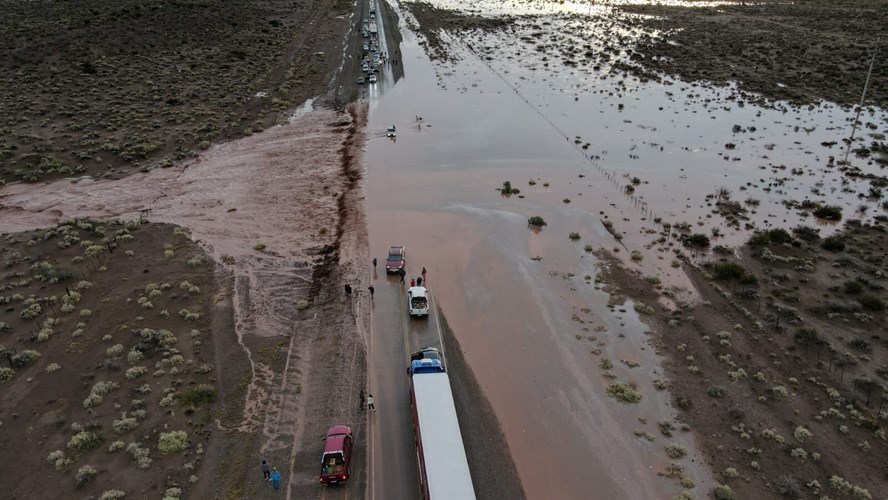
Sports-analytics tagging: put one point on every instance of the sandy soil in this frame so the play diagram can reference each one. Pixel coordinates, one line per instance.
(244, 201)
(799, 52)
(834, 378)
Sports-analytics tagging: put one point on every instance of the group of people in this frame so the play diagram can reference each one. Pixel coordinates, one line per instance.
(271, 474)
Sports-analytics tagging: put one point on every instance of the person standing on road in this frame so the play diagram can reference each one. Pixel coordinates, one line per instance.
(276, 479)
(412, 282)
(402, 273)
(371, 291)
(370, 405)
(266, 472)
(424, 274)
(419, 281)
(374, 262)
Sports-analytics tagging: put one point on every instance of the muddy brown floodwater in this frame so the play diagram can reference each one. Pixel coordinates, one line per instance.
(281, 214)
(622, 163)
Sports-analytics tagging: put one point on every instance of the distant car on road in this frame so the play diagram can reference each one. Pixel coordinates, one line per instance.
(418, 301)
(336, 460)
(372, 79)
(396, 259)
(360, 80)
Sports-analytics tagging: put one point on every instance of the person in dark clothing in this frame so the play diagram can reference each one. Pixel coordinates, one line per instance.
(424, 274)
(402, 273)
(348, 290)
(266, 471)
(374, 262)
(419, 281)
(372, 290)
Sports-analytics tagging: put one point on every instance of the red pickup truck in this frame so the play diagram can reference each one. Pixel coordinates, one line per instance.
(337, 455)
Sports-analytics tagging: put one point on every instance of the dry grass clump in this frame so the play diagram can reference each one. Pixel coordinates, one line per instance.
(623, 392)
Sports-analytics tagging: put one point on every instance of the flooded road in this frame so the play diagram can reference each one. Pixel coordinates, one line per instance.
(525, 305)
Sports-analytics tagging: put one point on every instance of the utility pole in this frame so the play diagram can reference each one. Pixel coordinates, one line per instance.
(862, 98)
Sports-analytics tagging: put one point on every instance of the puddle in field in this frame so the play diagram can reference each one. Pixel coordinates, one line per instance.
(572, 140)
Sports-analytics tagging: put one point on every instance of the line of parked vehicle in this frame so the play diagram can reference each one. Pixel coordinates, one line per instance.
(370, 58)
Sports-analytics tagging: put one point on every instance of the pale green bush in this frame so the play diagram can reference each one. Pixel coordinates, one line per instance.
(85, 441)
(802, 434)
(136, 372)
(115, 351)
(6, 374)
(140, 454)
(84, 475)
(171, 442)
(112, 495)
(116, 446)
(124, 424)
(58, 460)
(52, 367)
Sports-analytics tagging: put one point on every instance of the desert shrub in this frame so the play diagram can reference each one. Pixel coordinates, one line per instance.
(25, 358)
(507, 188)
(58, 460)
(736, 413)
(806, 233)
(574, 236)
(779, 235)
(676, 451)
(112, 495)
(136, 372)
(802, 434)
(196, 396)
(723, 492)
(787, 486)
(833, 244)
(871, 303)
(730, 473)
(715, 391)
(536, 221)
(115, 351)
(828, 212)
(85, 441)
(171, 442)
(623, 392)
(853, 287)
(140, 454)
(697, 240)
(84, 475)
(124, 424)
(188, 315)
(728, 271)
(779, 392)
(32, 311)
(173, 493)
(799, 454)
(116, 446)
(6, 374)
(759, 240)
(302, 304)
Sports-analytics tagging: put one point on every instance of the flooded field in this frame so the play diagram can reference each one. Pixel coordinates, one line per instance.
(629, 166)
